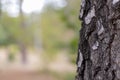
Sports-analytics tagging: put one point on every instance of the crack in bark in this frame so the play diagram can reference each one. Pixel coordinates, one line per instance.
(113, 73)
(97, 70)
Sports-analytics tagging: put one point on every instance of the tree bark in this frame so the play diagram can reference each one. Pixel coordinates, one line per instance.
(99, 45)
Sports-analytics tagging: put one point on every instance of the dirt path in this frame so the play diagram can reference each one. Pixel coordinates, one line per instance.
(24, 75)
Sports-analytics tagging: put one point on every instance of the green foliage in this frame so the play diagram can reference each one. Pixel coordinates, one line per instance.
(69, 76)
(56, 24)
(3, 36)
(73, 48)
(73, 45)
(13, 32)
(11, 57)
(57, 29)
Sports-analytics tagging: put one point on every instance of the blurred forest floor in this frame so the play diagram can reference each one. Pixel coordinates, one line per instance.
(33, 75)
(24, 75)
(36, 68)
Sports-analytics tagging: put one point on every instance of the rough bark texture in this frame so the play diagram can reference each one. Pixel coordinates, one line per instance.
(99, 46)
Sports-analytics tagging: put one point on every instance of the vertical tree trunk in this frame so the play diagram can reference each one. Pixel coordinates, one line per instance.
(23, 52)
(99, 47)
(22, 25)
(0, 8)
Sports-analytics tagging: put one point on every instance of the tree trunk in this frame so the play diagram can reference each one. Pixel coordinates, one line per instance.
(23, 53)
(99, 45)
(0, 8)
(22, 25)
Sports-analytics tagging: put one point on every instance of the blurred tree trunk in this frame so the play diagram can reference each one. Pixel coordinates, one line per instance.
(22, 25)
(99, 47)
(0, 8)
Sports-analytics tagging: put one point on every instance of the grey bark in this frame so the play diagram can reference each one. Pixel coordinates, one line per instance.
(99, 45)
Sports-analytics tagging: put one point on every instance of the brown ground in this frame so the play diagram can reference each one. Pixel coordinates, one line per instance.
(24, 75)
(18, 71)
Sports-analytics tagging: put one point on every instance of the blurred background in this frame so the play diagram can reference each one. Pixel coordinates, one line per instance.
(38, 39)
